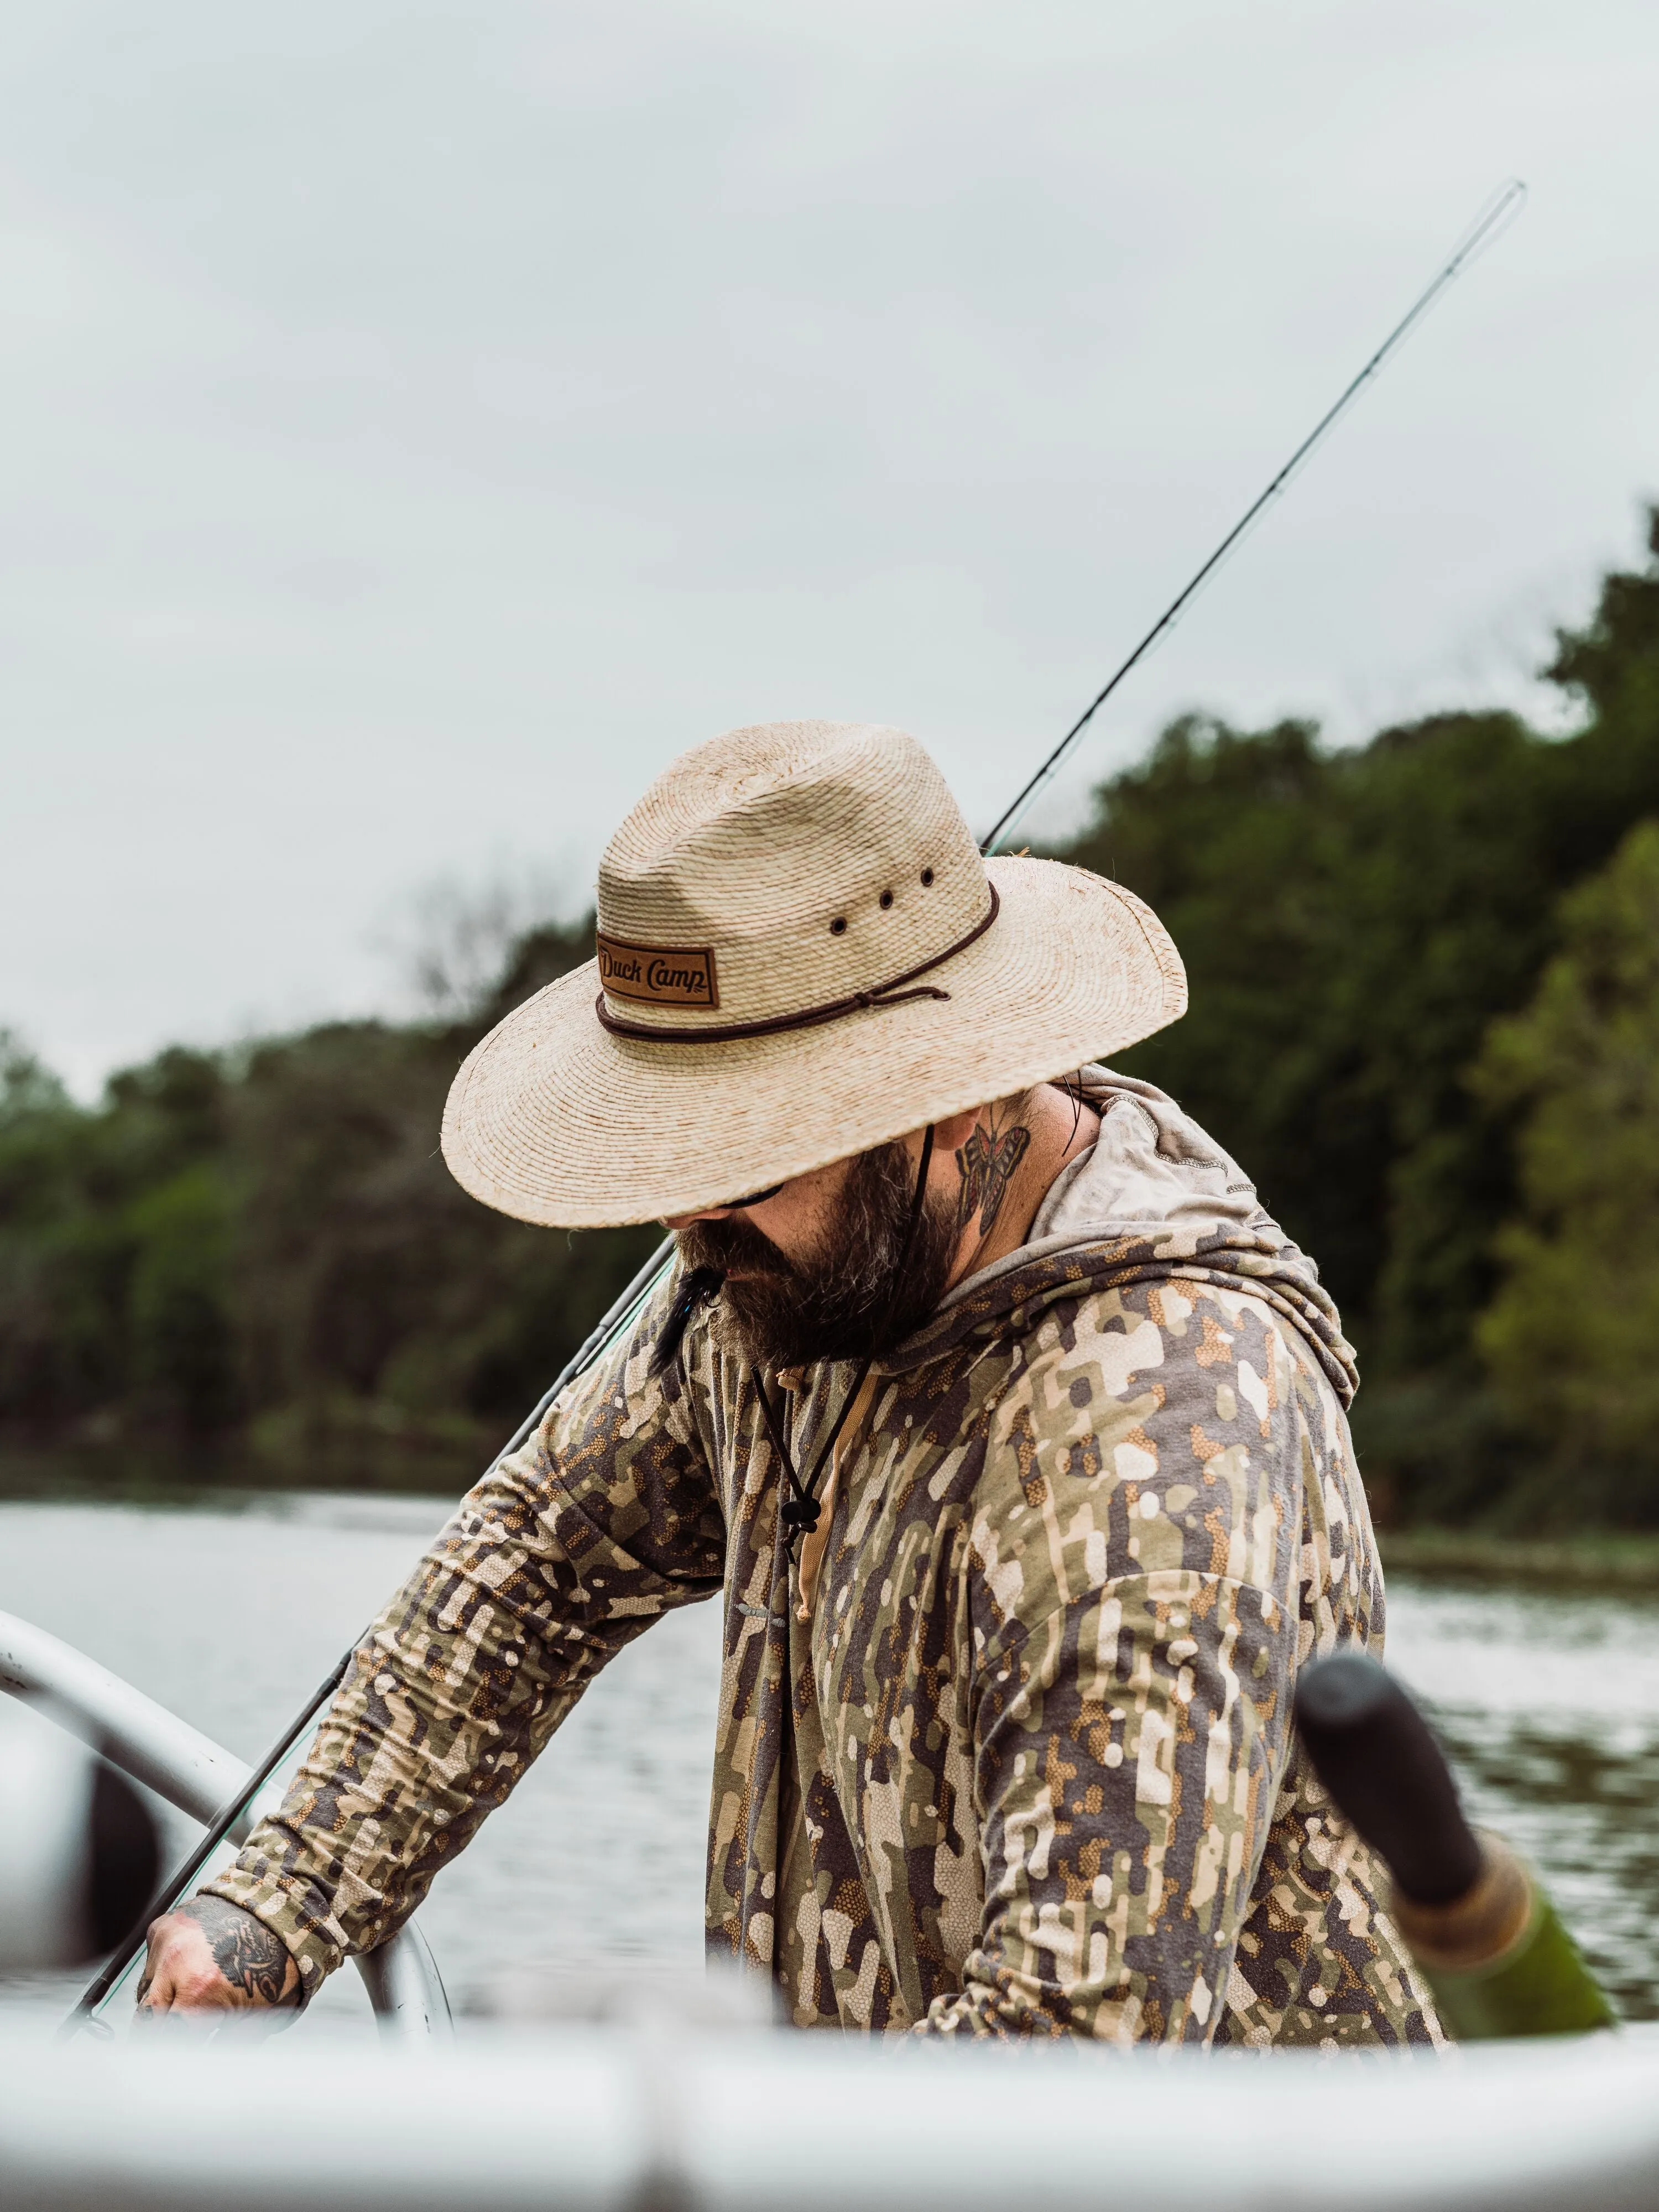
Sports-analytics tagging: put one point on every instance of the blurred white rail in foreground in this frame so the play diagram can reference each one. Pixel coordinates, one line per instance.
(622, 2121)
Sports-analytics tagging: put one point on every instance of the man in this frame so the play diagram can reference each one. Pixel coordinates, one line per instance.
(1006, 1424)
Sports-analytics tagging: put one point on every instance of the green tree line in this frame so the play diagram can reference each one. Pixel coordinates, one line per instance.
(1424, 1004)
(1424, 1014)
(254, 1263)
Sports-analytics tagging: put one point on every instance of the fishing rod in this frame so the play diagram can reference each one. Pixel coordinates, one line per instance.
(1495, 217)
(1499, 212)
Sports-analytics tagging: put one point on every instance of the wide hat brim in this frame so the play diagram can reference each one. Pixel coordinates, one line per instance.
(554, 1120)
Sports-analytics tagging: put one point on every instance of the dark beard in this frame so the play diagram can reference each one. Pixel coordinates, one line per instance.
(845, 1300)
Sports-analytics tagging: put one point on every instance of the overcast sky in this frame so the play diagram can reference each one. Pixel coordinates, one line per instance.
(422, 422)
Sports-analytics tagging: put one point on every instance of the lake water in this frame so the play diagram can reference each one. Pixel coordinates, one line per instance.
(230, 1615)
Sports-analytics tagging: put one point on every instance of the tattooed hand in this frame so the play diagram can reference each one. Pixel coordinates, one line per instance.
(211, 1956)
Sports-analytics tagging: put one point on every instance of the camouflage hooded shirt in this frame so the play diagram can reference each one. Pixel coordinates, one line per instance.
(1008, 1750)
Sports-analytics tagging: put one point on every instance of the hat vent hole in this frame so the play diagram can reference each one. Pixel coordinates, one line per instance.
(927, 877)
(887, 898)
(838, 925)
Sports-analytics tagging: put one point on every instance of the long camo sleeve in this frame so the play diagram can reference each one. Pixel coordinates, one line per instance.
(560, 1557)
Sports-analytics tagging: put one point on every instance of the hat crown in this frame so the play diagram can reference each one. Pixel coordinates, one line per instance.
(779, 867)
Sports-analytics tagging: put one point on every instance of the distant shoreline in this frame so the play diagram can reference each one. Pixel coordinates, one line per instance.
(1604, 1559)
(1597, 1560)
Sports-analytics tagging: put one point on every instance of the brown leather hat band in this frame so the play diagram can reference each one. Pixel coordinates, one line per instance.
(885, 995)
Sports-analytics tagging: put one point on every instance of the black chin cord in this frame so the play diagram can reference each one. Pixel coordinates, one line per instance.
(798, 1513)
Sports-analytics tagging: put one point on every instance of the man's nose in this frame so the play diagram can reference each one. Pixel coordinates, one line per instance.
(678, 1221)
(722, 1213)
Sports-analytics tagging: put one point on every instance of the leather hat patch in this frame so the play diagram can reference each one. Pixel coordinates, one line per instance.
(659, 975)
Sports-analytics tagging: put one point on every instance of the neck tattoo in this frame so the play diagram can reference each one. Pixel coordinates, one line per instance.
(987, 1164)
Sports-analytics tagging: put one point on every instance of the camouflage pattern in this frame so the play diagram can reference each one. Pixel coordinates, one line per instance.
(1028, 1767)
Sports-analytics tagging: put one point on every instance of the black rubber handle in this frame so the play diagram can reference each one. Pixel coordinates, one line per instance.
(1378, 1757)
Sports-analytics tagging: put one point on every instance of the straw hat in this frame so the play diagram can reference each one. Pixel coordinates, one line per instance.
(801, 954)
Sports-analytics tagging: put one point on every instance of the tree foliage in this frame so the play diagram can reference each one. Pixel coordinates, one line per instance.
(1352, 923)
(1419, 1011)
(1571, 1334)
(265, 1247)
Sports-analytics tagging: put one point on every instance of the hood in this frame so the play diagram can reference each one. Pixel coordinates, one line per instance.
(1153, 1198)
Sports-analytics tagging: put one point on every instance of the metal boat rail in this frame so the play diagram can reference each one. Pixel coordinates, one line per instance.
(199, 1777)
(662, 2116)
(613, 2120)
